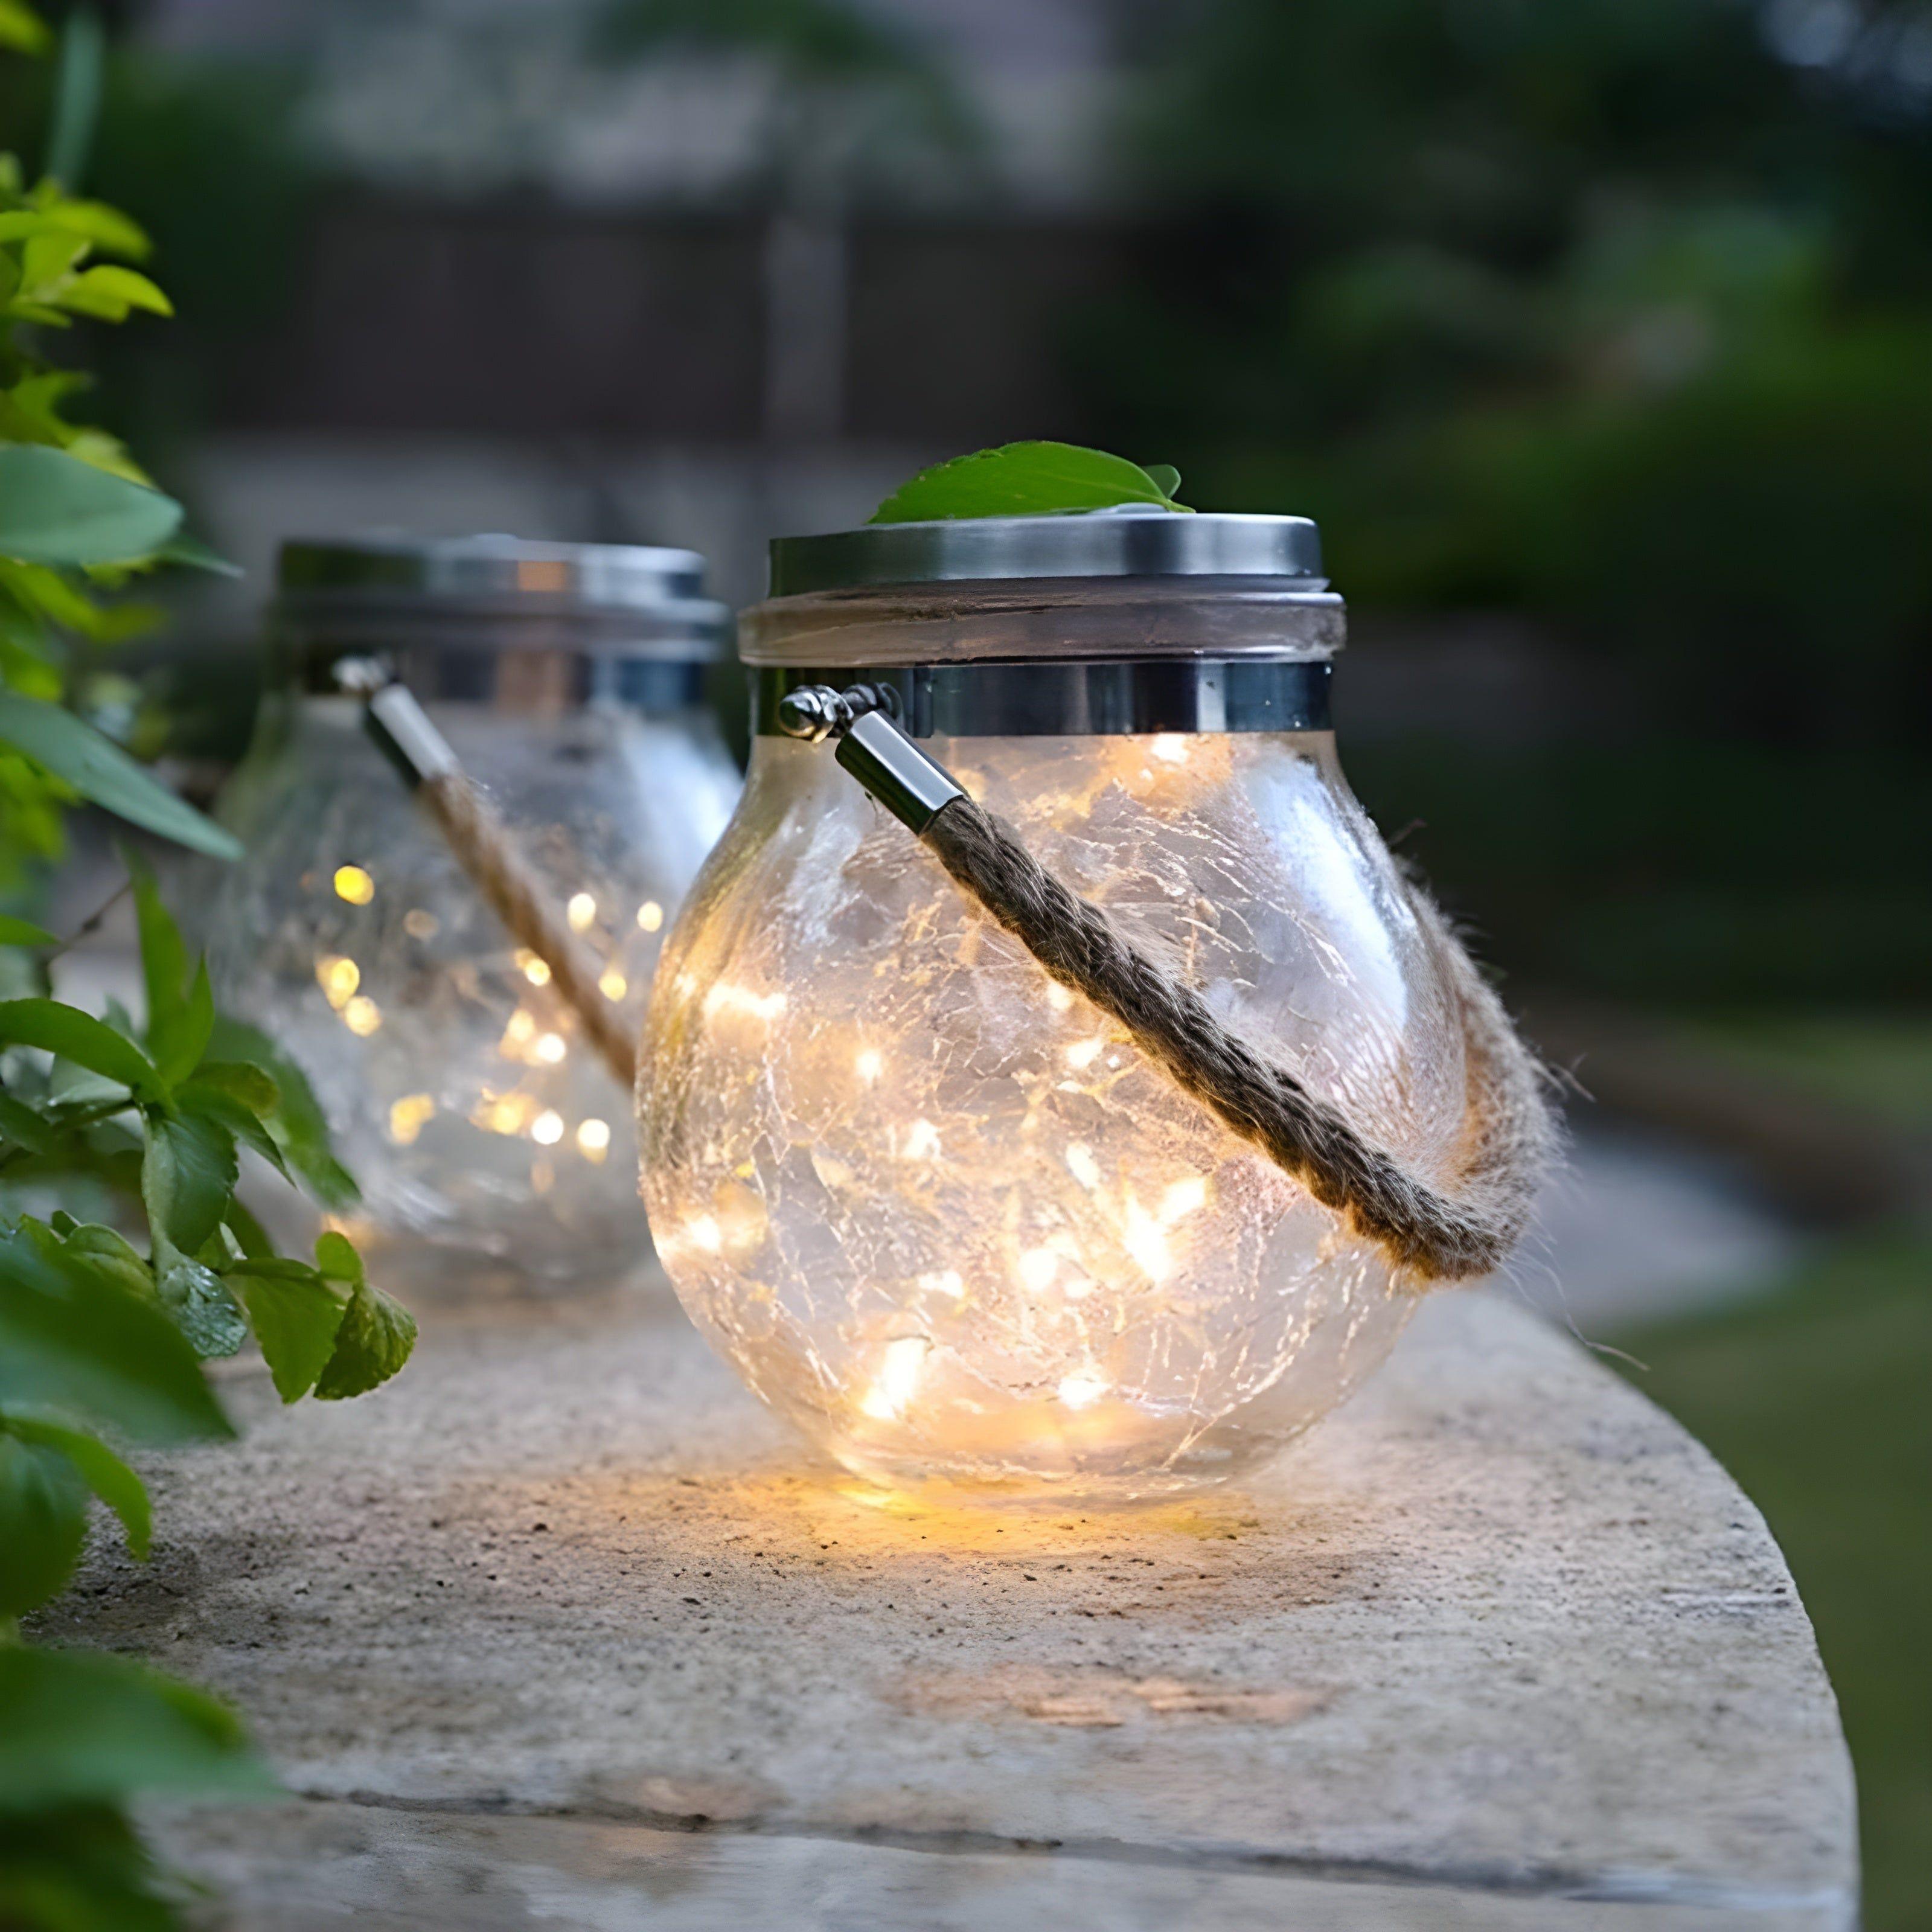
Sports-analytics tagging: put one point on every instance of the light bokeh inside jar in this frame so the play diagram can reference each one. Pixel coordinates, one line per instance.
(494, 1148)
(939, 1212)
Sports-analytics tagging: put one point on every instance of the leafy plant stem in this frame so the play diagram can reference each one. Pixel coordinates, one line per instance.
(76, 97)
(92, 924)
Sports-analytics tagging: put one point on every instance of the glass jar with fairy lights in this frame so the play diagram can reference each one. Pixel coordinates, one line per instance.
(974, 1203)
(493, 1148)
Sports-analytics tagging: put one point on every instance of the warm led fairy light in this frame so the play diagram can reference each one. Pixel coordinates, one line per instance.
(409, 1116)
(547, 1129)
(581, 912)
(935, 1203)
(362, 1015)
(593, 1139)
(891, 1393)
(726, 997)
(338, 978)
(1081, 1389)
(1036, 1269)
(613, 984)
(549, 1049)
(650, 915)
(353, 883)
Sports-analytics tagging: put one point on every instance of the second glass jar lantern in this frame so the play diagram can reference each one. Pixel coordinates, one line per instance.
(492, 1147)
(934, 1207)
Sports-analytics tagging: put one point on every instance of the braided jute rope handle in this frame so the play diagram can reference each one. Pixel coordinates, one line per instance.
(1509, 1136)
(483, 847)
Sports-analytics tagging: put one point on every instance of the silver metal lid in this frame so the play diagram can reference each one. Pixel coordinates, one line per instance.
(1135, 540)
(627, 598)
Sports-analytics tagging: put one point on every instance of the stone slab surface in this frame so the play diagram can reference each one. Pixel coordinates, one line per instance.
(562, 1630)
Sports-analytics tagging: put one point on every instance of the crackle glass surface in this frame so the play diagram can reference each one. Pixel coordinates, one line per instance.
(492, 1147)
(939, 1212)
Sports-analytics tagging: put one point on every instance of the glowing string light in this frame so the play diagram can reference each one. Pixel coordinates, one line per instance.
(898, 1381)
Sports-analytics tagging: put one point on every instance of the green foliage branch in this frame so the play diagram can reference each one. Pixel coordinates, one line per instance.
(104, 1323)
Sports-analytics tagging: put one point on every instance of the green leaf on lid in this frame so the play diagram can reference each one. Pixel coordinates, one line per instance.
(1029, 479)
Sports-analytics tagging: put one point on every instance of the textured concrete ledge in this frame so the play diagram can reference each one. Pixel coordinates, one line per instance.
(560, 1631)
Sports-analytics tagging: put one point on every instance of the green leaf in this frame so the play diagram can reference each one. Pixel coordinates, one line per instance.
(297, 1122)
(78, 1727)
(73, 1035)
(297, 1313)
(108, 1252)
(80, 1868)
(48, 258)
(1023, 479)
(163, 957)
(377, 1333)
(99, 1468)
(109, 291)
(24, 1128)
(177, 1045)
(186, 1175)
(1165, 477)
(249, 1086)
(21, 28)
(244, 1123)
(42, 1524)
(56, 509)
(101, 771)
(203, 1309)
(106, 227)
(71, 1334)
(249, 1235)
(191, 553)
(23, 932)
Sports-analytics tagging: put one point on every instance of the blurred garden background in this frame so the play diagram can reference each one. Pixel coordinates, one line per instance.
(1597, 334)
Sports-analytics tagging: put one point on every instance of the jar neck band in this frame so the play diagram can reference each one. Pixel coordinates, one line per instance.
(542, 682)
(1062, 698)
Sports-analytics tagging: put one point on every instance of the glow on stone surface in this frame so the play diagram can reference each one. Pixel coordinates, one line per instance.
(939, 1214)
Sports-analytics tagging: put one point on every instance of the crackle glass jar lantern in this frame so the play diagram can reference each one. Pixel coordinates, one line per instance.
(493, 1147)
(935, 1208)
